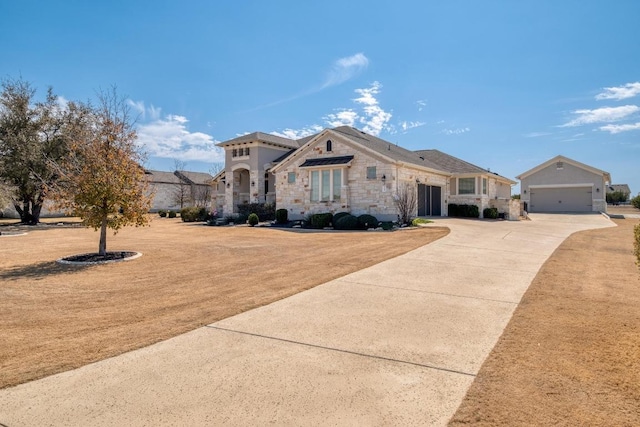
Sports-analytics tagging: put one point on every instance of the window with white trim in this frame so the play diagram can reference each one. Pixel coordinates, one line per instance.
(466, 185)
(326, 184)
(484, 185)
(291, 177)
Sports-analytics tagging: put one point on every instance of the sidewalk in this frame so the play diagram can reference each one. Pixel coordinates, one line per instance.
(397, 343)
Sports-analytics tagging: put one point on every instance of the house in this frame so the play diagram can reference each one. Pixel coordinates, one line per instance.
(178, 189)
(562, 184)
(345, 169)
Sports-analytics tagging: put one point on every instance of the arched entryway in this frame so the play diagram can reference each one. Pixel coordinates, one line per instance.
(241, 187)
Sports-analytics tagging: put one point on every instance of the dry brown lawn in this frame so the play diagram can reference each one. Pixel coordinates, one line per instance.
(571, 353)
(56, 317)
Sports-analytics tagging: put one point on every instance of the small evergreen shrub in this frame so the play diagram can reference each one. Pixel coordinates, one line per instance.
(366, 221)
(636, 243)
(386, 225)
(491, 213)
(253, 219)
(240, 219)
(193, 214)
(464, 211)
(346, 222)
(339, 215)
(635, 202)
(162, 213)
(266, 211)
(321, 220)
(282, 216)
(172, 214)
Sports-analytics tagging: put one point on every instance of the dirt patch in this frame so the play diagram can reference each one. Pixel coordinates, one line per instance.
(571, 353)
(57, 317)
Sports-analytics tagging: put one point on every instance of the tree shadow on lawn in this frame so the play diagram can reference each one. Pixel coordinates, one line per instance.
(40, 270)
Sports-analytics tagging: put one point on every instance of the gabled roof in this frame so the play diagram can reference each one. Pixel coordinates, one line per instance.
(455, 165)
(619, 187)
(161, 177)
(262, 137)
(564, 159)
(326, 161)
(194, 177)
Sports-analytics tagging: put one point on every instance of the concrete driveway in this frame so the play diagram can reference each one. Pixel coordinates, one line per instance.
(398, 343)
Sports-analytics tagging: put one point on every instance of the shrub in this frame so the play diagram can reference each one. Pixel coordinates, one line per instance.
(387, 225)
(636, 243)
(240, 219)
(172, 214)
(162, 213)
(367, 221)
(193, 214)
(464, 211)
(253, 219)
(418, 221)
(339, 215)
(635, 202)
(346, 222)
(266, 211)
(321, 220)
(282, 216)
(491, 213)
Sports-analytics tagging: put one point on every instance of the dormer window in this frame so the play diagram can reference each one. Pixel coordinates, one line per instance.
(329, 145)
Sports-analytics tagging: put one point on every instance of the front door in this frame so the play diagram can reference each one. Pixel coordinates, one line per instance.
(429, 203)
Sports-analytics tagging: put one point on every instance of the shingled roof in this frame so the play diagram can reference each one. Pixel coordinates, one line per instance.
(161, 177)
(262, 137)
(194, 177)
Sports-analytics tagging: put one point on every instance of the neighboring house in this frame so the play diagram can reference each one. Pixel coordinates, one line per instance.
(175, 190)
(623, 188)
(564, 185)
(345, 169)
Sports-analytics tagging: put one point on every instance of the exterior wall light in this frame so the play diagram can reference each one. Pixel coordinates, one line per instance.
(384, 178)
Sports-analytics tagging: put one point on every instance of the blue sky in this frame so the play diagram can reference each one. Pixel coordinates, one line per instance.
(505, 85)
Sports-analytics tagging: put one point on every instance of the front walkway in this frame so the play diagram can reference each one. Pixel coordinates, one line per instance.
(398, 343)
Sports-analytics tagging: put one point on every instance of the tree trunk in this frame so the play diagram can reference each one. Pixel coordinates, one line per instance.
(102, 248)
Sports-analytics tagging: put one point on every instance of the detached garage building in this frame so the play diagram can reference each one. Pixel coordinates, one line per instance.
(564, 185)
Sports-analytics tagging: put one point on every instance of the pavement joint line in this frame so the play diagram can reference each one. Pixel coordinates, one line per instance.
(468, 265)
(493, 249)
(355, 353)
(431, 292)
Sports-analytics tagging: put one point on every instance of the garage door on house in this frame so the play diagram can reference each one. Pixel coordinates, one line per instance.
(561, 199)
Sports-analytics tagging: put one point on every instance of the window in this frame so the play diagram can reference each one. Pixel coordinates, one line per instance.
(234, 153)
(291, 177)
(246, 151)
(466, 186)
(326, 185)
(240, 152)
(559, 166)
(328, 145)
(484, 185)
(371, 172)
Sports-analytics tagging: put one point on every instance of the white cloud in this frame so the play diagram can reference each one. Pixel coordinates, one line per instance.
(170, 138)
(600, 115)
(375, 119)
(628, 90)
(421, 103)
(346, 68)
(143, 110)
(456, 131)
(613, 129)
(344, 117)
(536, 134)
(410, 125)
(298, 133)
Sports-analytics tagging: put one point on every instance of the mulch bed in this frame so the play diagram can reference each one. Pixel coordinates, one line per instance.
(97, 258)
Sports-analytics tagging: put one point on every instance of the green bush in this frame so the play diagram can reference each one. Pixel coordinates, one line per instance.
(172, 214)
(162, 213)
(387, 225)
(366, 221)
(464, 211)
(617, 197)
(193, 214)
(282, 216)
(346, 222)
(418, 221)
(240, 219)
(491, 213)
(265, 211)
(339, 215)
(635, 202)
(253, 219)
(321, 220)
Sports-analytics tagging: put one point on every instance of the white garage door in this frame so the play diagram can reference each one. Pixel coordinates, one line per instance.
(565, 199)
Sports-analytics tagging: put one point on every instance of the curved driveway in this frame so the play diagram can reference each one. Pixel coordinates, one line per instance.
(397, 343)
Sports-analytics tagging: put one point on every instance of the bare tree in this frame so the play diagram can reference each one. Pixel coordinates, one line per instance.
(182, 191)
(216, 168)
(101, 179)
(406, 201)
(202, 195)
